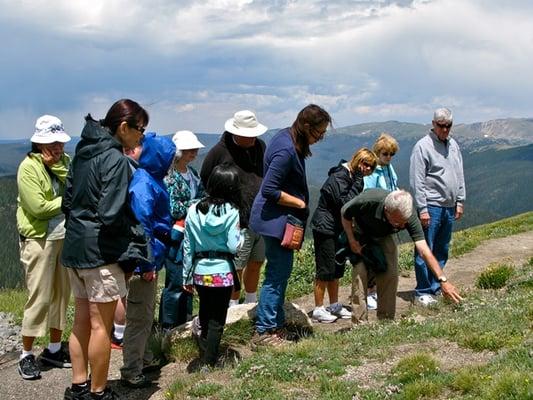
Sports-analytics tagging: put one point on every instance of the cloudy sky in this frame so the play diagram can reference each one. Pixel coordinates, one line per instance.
(192, 64)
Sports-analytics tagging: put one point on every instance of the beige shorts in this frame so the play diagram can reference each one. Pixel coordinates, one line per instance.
(99, 285)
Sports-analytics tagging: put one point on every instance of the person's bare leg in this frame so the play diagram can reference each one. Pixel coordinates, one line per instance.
(251, 276)
(320, 290)
(79, 341)
(27, 342)
(55, 335)
(333, 291)
(101, 315)
(237, 293)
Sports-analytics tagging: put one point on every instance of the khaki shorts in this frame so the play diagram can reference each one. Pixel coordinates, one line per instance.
(252, 249)
(99, 285)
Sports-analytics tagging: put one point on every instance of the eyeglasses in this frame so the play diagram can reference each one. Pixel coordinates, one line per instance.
(367, 165)
(444, 126)
(386, 154)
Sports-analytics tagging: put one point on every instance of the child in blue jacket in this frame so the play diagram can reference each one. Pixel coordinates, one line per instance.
(212, 237)
(150, 204)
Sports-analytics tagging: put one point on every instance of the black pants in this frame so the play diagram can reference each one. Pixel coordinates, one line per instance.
(214, 303)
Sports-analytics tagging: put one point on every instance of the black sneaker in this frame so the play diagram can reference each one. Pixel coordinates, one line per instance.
(79, 393)
(60, 358)
(107, 395)
(28, 368)
(136, 382)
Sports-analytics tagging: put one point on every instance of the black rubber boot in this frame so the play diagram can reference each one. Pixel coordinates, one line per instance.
(214, 336)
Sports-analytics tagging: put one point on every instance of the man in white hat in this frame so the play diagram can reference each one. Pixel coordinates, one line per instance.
(438, 184)
(241, 147)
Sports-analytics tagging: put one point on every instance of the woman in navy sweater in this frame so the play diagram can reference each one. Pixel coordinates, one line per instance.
(283, 192)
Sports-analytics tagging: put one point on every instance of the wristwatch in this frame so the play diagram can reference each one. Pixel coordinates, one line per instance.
(442, 279)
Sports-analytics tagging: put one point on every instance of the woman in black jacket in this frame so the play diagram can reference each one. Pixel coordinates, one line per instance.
(102, 239)
(345, 181)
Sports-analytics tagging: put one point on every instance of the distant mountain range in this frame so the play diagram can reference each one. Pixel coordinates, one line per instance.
(498, 162)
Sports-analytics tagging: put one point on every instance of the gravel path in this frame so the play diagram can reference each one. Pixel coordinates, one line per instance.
(461, 271)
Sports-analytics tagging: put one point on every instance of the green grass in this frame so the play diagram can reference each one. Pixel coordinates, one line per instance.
(319, 367)
(495, 276)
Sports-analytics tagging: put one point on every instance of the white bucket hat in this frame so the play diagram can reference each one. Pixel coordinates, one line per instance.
(186, 140)
(49, 129)
(244, 123)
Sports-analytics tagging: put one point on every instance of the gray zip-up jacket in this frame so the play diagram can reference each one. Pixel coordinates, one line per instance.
(436, 173)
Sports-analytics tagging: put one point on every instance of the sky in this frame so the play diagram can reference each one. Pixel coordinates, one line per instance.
(192, 64)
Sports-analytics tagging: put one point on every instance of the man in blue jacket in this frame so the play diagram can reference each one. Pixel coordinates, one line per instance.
(150, 204)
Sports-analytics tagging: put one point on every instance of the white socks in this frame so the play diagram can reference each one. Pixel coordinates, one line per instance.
(25, 354)
(119, 331)
(54, 347)
(250, 298)
(233, 303)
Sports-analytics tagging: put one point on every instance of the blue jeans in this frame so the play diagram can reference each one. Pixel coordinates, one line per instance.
(270, 314)
(438, 235)
(175, 302)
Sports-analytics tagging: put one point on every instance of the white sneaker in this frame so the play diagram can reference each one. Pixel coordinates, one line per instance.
(338, 310)
(233, 303)
(372, 301)
(320, 314)
(425, 300)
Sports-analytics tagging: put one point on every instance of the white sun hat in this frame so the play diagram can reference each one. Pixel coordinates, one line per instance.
(244, 123)
(186, 140)
(49, 129)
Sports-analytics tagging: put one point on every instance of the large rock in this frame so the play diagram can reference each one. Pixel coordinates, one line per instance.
(295, 316)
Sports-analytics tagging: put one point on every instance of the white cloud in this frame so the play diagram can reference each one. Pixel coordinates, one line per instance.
(196, 62)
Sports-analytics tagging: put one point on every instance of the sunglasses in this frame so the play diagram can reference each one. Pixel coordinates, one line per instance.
(386, 154)
(138, 128)
(442, 126)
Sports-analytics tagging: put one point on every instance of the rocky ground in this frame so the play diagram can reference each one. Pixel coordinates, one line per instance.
(461, 271)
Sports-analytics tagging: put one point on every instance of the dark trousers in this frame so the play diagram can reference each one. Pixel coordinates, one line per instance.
(176, 303)
(214, 302)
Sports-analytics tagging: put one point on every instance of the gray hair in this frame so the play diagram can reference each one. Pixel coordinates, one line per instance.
(443, 114)
(400, 201)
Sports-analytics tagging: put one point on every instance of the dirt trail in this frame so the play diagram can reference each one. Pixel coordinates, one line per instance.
(461, 271)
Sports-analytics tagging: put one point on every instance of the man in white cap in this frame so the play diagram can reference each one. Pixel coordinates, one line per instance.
(437, 180)
(241, 147)
(41, 180)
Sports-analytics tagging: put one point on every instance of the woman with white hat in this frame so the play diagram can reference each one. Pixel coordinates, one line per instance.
(41, 225)
(184, 188)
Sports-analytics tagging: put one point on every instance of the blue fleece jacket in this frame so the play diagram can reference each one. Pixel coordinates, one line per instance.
(209, 232)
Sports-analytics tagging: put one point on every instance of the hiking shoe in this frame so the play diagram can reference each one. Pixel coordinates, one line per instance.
(320, 314)
(80, 393)
(152, 366)
(267, 339)
(425, 300)
(108, 394)
(372, 301)
(28, 368)
(136, 382)
(338, 310)
(60, 358)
